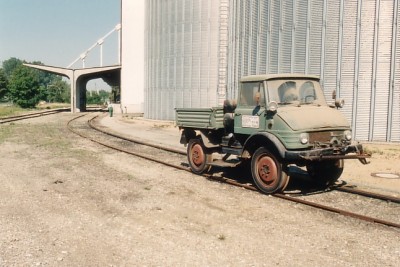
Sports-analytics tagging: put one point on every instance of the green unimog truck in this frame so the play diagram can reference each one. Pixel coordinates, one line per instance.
(277, 121)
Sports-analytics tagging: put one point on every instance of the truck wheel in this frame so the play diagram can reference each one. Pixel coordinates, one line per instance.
(267, 172)
(197, 156)
(326, 172)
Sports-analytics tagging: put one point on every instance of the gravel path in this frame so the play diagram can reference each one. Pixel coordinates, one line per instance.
(65, 201)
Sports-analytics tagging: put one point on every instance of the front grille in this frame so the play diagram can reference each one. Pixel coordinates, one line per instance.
(324, 137)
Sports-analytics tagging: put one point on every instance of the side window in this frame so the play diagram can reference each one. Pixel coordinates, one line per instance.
(252, 94)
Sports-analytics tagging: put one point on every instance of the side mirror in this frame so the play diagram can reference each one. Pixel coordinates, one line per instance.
(339, 103)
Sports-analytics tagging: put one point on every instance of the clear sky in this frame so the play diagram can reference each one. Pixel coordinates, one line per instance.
(56, 32)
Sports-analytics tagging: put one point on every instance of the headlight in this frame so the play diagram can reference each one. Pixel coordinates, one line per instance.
(347, 135)
(272, 106)
(304, 138)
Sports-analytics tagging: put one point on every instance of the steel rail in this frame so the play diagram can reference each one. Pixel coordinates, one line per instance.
(141, 142)
(121, 149)
(349, 189)
(31, 115)
(310, 203)
(246, 186)
(339, 211)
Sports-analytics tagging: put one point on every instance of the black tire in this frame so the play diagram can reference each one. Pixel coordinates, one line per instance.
(268, 173)
(198, 156)
(327, 172)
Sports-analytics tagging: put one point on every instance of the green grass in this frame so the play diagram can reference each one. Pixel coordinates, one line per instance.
(11, 111)
(49, 137)
(53, 105)
(52, 138)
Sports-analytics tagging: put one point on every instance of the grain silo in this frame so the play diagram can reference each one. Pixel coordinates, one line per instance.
(186, 55)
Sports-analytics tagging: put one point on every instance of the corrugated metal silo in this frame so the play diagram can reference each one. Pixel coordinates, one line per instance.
(186, 54)
(199, 49)
(352, 44)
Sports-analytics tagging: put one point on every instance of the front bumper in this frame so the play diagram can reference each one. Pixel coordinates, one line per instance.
(331, 153)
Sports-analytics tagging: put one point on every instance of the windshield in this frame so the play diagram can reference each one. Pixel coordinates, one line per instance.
(296, 91)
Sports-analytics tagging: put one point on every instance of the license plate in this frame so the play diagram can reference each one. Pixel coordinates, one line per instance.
(250, 121)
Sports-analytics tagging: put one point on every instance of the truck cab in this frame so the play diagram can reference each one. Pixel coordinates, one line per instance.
(287, 107)
(276, 121)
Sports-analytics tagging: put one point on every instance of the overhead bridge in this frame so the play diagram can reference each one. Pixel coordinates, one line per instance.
(80, 77)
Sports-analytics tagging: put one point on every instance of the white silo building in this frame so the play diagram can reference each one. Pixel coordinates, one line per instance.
(197, 50)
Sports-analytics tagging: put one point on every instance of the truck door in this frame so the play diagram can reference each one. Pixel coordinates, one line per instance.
(249, 114)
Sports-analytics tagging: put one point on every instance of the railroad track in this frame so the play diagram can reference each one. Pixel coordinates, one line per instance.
(32, 115)
(147, 156)
(352, 190)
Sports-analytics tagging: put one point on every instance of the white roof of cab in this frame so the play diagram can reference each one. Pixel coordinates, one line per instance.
(264, 77)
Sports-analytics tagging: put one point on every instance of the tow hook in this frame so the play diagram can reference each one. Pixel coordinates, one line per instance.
(364, 161)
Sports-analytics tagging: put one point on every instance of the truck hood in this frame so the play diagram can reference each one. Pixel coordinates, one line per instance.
(307, 117)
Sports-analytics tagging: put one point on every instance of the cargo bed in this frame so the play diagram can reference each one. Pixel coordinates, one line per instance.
(200, 118)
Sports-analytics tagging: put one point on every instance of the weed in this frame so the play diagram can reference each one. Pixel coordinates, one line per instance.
(131, 177)
(221, 237)
(373, 150)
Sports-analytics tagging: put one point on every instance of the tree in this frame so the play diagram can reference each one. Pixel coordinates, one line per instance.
(24, 86)
(58, 91)
(92, 97)
(45, 80)
(66, 94)
(98, 98)
(3, 84)
(115, 94)
(10, 65)
(44, 85)
(104, 96)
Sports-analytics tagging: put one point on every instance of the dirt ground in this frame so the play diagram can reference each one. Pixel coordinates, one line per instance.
(65, 201)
